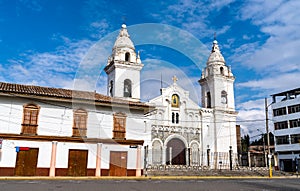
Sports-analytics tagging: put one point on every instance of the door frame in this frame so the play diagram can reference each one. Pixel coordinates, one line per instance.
(118, 163)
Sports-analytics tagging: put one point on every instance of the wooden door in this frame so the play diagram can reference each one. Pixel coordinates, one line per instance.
(77, 165)
(26, 162)
(118, 163)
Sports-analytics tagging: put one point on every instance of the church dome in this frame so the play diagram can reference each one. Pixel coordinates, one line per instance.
(123, 40)
(215, 55)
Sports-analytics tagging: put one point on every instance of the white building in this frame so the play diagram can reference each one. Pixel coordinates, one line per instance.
(286, 118)
(59, 132)
(183, 133)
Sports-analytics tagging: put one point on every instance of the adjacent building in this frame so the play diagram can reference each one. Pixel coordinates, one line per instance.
(286, 118)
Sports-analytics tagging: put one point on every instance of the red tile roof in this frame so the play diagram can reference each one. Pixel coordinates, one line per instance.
(66, 94)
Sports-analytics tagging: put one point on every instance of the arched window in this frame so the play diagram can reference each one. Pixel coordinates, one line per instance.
(156, 152)
(30, 119)
(111, 88)
(79, 123)
(127, 56)
(221, 70)
(127, 88)
(175, 100)
(194, 154)
(224, 97)
(208, 100)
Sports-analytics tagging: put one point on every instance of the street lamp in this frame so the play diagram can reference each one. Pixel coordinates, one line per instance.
(268, 137)
(230, 157)
(264, 146)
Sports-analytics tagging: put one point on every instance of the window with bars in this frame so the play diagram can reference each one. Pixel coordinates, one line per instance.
(280, 140)
(281, 125)
(279, 111)
(119, 131)
(295, 138)
(79, 123)
(294, 123)
(294, 109)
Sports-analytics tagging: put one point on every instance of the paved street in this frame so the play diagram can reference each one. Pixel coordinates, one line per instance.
(153, 185)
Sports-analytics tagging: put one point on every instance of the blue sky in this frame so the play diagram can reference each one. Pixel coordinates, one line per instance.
(42, 42)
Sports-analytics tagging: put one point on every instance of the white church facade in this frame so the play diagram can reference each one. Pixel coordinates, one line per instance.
(183, 133)
(60, 132)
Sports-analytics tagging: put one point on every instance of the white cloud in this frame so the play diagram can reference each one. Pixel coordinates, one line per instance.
(56, 69)
(252, 117)
(277, 59)
(279, 20)
(193, 16)
(273, 84)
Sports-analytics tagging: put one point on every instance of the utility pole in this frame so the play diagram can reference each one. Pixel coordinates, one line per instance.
(268, 138)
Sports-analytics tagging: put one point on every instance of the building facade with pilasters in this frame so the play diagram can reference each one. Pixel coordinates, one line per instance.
(184, 133)
(59, 132)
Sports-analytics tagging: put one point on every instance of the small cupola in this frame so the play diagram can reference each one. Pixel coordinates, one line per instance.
(215, 55)
(123, 40)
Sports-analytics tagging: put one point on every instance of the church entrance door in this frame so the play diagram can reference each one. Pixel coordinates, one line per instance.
(176, 152)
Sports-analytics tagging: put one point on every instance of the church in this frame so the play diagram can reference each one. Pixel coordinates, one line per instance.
(182, 132)
(47, 131)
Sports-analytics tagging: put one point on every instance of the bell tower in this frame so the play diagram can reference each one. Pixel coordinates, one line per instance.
(123, 68)
(217, 82)
(218, 95)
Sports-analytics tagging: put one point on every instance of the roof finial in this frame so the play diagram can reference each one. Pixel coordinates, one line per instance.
(215, 36)
(174, 79)
(123, 19)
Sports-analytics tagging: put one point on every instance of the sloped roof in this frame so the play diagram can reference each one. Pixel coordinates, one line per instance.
(63, 94)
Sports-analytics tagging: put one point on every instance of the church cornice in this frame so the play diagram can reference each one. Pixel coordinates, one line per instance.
(226, 111)
(216, 76)
(122, 64)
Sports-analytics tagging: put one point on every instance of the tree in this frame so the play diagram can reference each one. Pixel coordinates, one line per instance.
(245, 143)
(261, 140)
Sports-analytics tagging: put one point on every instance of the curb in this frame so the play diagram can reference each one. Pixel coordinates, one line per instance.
(139, 178)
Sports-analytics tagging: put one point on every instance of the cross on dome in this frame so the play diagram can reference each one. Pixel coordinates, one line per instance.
(174, 79)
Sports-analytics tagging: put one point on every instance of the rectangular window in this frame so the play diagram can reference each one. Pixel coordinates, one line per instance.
(30, 119)
(294, 108)
(294, 123)
(280, 140)
(295, 138)
(79, 123)
(279, 111)
(119, 131)
(281, 125)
